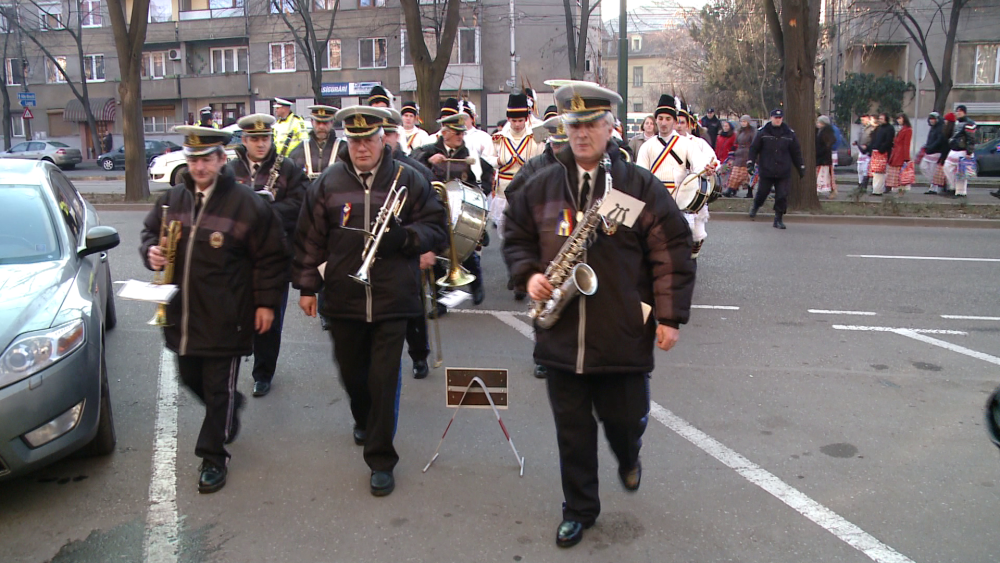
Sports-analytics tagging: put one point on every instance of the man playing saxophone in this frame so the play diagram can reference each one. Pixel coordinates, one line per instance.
(230, 265)
(367, 320)
(599, 352)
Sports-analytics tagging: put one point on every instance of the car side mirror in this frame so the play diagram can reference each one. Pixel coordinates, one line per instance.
(99, 239)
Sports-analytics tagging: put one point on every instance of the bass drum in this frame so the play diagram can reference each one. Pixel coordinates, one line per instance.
(693, 193)
(468, 216)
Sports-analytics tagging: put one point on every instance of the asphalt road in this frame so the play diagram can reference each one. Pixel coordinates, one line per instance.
(777, 434)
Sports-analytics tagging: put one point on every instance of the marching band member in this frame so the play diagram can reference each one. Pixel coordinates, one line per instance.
(315, 155)
(599, 353)
(514, 146)
(282, 183)
(289, 130)
(412, 136)
(479, 142)
(227, 233)
(367, 322)
(671, 157)
(699, 150)
(379, 97)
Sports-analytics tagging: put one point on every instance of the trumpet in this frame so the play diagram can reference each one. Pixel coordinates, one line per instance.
(394, 201)
(171, 232)
(457, 276)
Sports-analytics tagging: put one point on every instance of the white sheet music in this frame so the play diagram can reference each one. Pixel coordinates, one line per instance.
(146, 291)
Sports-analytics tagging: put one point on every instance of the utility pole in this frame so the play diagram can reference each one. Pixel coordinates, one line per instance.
(513, 52)
(622, 62)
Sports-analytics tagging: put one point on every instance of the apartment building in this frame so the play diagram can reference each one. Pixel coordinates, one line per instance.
(237, 55)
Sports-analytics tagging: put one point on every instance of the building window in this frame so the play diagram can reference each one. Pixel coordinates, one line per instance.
(373, 52)
(5, 10)
(15, 72)
(637, 107)
(371, 3)
(978, 64)
(228, 59)
(279, 6)
(224, 4)
(90, 12)
(465, 51)
(160, 11)
(587, 66)
(16, 126)
(52, 74)
(154, 65)
(283, 57)
(637, 43)
(158, 121)
(331, 55)
(50, 15)
(637, 76)
(93, 66)
(324, 4)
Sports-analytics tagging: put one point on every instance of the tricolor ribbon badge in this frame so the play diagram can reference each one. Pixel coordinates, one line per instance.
(345, 215)
(566, 224)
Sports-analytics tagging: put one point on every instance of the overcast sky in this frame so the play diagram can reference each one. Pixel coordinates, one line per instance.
(610, 8)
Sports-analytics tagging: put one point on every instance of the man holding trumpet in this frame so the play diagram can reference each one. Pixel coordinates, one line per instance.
(229, 265)
(367, 203)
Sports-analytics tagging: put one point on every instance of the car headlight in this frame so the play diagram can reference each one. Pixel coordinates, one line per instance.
(154, 162)
(32, 352)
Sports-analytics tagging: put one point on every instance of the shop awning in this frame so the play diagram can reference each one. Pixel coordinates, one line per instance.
(103, 109)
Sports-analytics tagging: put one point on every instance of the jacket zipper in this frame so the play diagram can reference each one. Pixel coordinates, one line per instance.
(582, 324)
(368, 287)
(185, 283)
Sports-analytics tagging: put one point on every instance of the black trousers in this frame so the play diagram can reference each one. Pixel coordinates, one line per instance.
(781, 188)
(417, 343)
(622, 404)
(213, 380)
(267, 346)
(368, 356)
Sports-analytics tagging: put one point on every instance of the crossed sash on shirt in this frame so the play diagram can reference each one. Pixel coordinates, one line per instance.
(516, 159)
(668, 149)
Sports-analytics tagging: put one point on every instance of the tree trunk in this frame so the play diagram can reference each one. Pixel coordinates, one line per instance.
(129, 38)
(430, 73)
(6, 95)
(571, 39)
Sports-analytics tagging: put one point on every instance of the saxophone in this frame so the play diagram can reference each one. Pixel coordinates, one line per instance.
(171, 232)
(567, 272)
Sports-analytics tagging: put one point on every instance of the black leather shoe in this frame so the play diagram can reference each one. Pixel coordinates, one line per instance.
(520, 295)
(478, 294)
(359, 435)
(541, 372)
(234, 428)
(749, 194)
(569, 533)
(212, 478)
(753, 211)
(632, 478)
(261, 388)
(382, 483)
(441, 310)
(778, 223)
(420, 370)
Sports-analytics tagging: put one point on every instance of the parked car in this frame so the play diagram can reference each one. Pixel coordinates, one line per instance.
(167, 168)
(60, 154)
(988, 158)
(55, 305)
(154, 148)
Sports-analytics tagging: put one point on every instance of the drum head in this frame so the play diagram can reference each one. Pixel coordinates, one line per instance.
(468, 216)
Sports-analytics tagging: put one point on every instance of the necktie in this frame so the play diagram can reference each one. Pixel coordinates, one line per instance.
(365, 178)
(584, 196)
(256, 169)
(199, 200)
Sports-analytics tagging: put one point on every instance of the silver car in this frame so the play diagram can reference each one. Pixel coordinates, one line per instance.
(55, 304)
(60, 154)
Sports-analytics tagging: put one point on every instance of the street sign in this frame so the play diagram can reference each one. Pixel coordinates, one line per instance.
(28, 114)
(920, 71)
(26, 98)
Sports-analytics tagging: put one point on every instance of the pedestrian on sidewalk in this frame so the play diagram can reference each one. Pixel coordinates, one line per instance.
(825, 140)
(738, 176)
(778, 149)
(881, 147)
(960, 163)
(900, 172)
(725, 143)
(930, 153)
(647, 133)
(864, 152)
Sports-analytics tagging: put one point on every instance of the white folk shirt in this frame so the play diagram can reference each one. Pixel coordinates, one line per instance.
(512, 152)
(413, 139)
(480, 142)
(669, 159)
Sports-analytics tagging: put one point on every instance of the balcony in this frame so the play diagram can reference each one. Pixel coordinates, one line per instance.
(161, 32)
(470, 77)
(160, 89)
(211, 14)
(197, 29)
(213, 85)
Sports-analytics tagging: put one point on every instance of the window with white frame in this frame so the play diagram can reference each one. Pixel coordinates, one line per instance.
(324, 5)
(637, 76)
(16, 126)
(224, 4)
(93, 67)
(7, 9)
(90, 12)
(373, 52)
(331, 55)
(158, 121)
(15, 72)
(637, 43)
(154, 65)
(279, 6)
(50, 15)
(52, 74)
(229, 59)
(160, 11)
(371, 3)
(977, 63)
(466, 49)
(283, 57)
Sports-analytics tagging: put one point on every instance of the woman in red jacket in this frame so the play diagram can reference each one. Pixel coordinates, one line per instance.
(725, 144)
(896, 176)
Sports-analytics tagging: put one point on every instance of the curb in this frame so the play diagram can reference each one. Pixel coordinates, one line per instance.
(868, 220)
(97, 178)
(123, 206)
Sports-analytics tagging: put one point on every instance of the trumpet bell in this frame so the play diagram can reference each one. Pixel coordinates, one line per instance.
(160, 317)
(361, 277)
(457, 277)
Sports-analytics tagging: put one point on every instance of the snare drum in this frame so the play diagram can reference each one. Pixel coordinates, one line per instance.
(468, 216)
(693, 193)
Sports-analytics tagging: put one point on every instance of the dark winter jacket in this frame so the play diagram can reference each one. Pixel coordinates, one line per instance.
(459, 170)
(743, 140)
(529, 169)
(825, 139)
(713, 125)
(936, 141)
(330, 233)
(320, 157)
(776, 150)
(964, 137)
(649, 263)
(882, 138)
(400, 156)
(234, 263)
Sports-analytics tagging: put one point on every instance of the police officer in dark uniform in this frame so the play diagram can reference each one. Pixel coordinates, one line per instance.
(776, 149)
(207, 120)
(283, 184)
(226, 233)
(367, 322)
(600, 351)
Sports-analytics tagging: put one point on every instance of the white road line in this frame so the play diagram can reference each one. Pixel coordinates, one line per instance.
(722, 307)
(524, 328)
(942, 258)
(160, 544)
(797, 500)
(828, 312)
(970, 318)
(486, 312)
(827, 519)
(948, 346)
(893, 329)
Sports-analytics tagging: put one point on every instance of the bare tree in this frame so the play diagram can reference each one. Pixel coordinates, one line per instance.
(307, 31)
(129, 37)
(442, 16)
(795, 31)
(4, 79)
(577, 42)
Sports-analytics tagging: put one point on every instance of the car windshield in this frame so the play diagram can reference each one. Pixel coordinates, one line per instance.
(26, 232)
